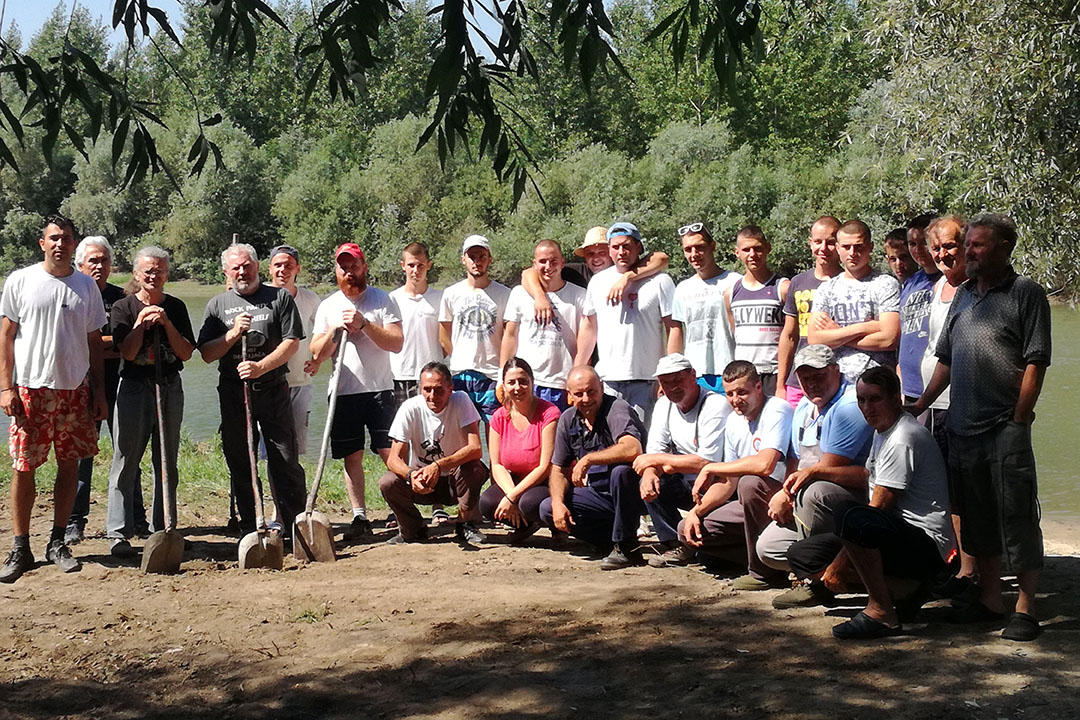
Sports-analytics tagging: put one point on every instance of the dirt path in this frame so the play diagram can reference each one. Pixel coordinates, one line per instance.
(437, 632)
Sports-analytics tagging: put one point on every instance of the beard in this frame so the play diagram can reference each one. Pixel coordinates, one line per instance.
(245, 286)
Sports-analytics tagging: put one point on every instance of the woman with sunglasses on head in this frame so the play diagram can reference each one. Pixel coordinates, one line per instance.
(521, 443)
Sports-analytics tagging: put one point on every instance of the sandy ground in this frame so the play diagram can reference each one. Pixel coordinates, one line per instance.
(435, 631)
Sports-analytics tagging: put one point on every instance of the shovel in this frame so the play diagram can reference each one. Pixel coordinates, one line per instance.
(262, 548)
(313, 536)
(164, 550)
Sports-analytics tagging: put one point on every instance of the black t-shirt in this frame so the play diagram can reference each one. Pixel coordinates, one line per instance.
(274, 318)
(124, 314)
(110, 295)
(577, 274)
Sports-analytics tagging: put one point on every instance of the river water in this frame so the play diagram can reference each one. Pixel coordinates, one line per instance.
(1057, 449)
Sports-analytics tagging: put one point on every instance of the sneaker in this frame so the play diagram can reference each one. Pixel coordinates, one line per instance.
(643, 529)
(142, 530)
(750, 583)
(60, 555)
(678, 556)
(807, 595)
(19, 561)
(391, 521)
(74, 534)
(358, 528)
(122, 549)
(468, 533)
(619, 559)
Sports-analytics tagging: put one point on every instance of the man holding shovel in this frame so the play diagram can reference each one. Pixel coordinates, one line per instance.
(268, 318)
(365, 383)
(153, 333)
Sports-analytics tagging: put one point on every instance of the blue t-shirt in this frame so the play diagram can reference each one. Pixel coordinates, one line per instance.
(840, 429)
(915, 297)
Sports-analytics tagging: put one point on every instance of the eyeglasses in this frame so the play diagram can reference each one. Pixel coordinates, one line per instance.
(698, 227)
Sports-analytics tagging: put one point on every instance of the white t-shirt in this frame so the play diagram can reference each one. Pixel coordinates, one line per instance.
(708, 342)
(629, 335)
(699, 432)
(476, 314)
(848, 301)
(906, 458)
(420, 326)
(54, 315)
(365, 367)
(432, 436)
(939, 310)
(549, 349)
(770, 431)
(307, 302)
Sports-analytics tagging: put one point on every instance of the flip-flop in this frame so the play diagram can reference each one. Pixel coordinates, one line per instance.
(1022, 627)
(864, 627)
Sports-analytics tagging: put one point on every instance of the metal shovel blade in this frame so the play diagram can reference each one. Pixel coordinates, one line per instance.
(262, 549)
(163, 553)
(313, 538)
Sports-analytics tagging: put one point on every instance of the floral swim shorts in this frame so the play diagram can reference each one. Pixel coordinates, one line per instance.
(58, 418)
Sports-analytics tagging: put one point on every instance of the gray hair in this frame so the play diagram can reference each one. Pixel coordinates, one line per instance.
(92, 241)
(1001, 227)
(150, 251)
(239, 247)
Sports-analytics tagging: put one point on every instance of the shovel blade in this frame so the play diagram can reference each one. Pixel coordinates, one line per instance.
(261, 549)
(313, 538)
(163, 553)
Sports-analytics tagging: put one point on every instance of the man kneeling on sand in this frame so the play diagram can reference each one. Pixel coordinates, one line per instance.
(435, 458)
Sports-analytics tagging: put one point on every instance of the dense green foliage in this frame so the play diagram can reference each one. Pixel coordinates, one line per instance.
(880, 110)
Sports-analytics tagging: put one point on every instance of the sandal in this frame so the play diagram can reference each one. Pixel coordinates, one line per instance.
(864, 627)
(440, 516)
(1022, 627)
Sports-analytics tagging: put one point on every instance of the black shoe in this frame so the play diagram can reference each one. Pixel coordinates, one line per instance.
(864, 627)
(122, 549)
(468, 534)
(519, 535)
(142, 530)
(1022, 627)
(74, 534)
(19, 561)
(618, 559)
(60, 555)
(359, 527)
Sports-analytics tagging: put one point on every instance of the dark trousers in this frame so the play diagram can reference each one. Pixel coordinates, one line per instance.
(528, 503)
(461, 487)
(674, 496)
(81, 509)
(606, 511)
(271, 416)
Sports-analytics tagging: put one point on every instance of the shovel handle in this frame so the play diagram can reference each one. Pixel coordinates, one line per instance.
(166, 484)
(335, 381)
(260, 521)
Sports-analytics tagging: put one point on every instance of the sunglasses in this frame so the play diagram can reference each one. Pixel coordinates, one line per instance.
(698, 227)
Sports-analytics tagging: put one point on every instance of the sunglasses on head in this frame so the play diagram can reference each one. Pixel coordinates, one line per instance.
(698, 227)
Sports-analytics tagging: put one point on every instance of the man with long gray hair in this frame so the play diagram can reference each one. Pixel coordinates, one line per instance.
(268, 317)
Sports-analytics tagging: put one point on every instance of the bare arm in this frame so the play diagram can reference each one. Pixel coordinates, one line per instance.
(387, 337)
(671, 325)
(789, 338)
(471, 451)
(586, 340)
(822, 330)
(97, 374)
(656, 263)
(220, 346)
(623, 451)
(763, 463)
(938, 382)
(831, 468)
(1030, 387)
(9, 398)
(675, 338)
(886, 337)
(509, 342)
(499, 474)
(534, 285)
(445, 328)
(669, 463)
(397, 461)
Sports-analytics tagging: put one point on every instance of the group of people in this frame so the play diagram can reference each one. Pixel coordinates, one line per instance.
(853, 428)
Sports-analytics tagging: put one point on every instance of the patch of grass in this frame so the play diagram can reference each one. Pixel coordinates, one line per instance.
(313, 615)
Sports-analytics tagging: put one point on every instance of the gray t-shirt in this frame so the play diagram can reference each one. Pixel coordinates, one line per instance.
(274, 318)
(988, 341)
(906, 458)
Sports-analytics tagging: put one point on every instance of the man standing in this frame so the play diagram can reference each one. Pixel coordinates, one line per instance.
(366, 385)
(686, 433)
(897, 256)
(272, 324)
(702, 331)
(284, 267)
(594, 492)
(994, 352)
(756, 440)
(799, 304)
(50, 343)
(418, 305)
(94, 257)
(916, 295)
(755, 305)
(549, 348)
(629, 334)
(435, 458)
(858, 311)
(471, 326)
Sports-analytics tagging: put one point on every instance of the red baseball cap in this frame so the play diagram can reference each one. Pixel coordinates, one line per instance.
(349, 249)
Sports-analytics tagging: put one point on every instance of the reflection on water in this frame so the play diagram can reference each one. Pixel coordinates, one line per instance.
(1056, 447)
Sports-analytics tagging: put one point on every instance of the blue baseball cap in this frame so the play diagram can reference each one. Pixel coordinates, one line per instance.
(624, 228)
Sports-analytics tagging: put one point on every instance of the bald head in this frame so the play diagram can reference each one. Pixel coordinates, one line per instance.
(546, 244)
(548, 262)
(825, 224)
